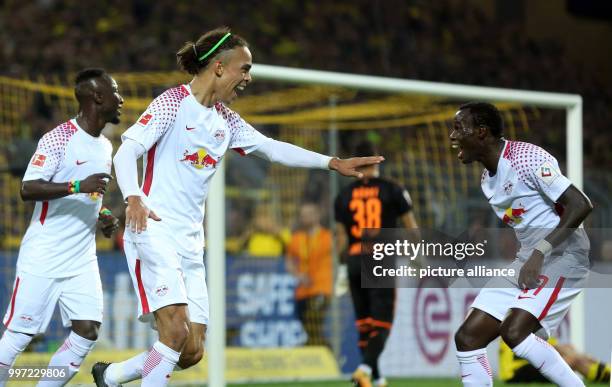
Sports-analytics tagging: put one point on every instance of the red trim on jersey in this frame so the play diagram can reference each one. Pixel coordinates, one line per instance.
(43, 211)
(507, 150)
(553, 298)
(184, 90)
(10, 317)
(240, 151)
(148, 180)
(141, 290)
(72, 126)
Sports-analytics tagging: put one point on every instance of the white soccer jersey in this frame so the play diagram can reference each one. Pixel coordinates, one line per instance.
(523, 193)
(184, 141)
(60, 241)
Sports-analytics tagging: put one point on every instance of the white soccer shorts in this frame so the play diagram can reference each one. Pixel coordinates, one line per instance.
(549, 303)
(33, 301)
(163, 277)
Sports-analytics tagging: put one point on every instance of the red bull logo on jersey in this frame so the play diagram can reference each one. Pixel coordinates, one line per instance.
(199, 159)
(513, 216)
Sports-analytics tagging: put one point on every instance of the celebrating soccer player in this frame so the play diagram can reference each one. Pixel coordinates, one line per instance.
(370, 202)
(184, 134)
(527, 191)
(67, 177)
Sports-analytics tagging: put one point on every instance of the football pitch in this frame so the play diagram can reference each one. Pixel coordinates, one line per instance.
(395, 383)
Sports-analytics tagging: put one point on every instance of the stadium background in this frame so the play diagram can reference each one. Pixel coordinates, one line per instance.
(535, 45)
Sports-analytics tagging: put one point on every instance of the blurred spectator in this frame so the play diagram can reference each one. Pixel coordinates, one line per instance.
(265, 238)
(309, 260)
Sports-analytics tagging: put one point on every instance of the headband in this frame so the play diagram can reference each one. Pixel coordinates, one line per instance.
(223, 39)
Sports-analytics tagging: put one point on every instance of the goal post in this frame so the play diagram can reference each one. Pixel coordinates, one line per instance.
(216, 210)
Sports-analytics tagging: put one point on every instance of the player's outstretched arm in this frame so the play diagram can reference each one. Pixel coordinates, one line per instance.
(41, 189)
(576, 207)
(294, 156)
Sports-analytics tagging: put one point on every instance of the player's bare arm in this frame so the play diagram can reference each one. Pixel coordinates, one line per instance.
(40, 189)
(576, 207)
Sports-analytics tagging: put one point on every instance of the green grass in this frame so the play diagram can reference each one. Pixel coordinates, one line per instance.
(392, 383)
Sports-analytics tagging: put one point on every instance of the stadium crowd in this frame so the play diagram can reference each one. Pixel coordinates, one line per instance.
(438, 41)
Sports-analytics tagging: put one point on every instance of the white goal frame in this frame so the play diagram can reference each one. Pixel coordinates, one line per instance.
(215, 216)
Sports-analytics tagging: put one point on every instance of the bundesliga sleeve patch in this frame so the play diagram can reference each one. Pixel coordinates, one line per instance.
(144, 119)
(547, 172)
(38, 160)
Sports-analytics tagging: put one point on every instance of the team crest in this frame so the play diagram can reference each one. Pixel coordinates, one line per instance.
(161, 291)
(220, 135)
(508, 187)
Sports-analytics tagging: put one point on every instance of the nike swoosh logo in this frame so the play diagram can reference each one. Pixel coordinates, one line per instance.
(188, 128)
(521, 297)
(75, 365)
(465, 376)
(540, 367)
(81, 162)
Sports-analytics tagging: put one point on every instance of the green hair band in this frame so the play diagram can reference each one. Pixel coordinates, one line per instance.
(223, 39)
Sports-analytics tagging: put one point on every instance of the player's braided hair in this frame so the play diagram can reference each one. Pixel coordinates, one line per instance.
(485, 114)
(189, 57)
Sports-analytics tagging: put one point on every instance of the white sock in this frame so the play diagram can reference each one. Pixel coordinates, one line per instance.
(11, 345)
(126, 371)
(475, 368)
(545, 358)
(382, 381)
(365, 368)
(71, 354)
(159, 365)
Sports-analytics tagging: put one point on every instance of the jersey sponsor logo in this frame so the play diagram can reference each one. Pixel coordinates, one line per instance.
(508, 187)
(81, 162)
(220, 135)
(38, 160)
(513, 216)
(547, 173)
(200, 159)
(145, 118)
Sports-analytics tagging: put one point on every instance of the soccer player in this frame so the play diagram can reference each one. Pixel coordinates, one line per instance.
(513, 369)
(371, 202)
(67, 177)
(527, 191)
(185, 133)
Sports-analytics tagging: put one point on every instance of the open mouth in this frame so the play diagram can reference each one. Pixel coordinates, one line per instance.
(456, 145)
(239, 88)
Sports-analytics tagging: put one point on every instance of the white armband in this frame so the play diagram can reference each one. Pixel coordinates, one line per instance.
(544, 247)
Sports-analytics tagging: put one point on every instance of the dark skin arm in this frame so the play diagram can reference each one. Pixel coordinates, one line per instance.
(39, 190)
(576, 207)
(108, 224)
